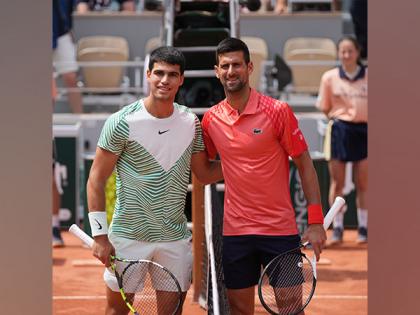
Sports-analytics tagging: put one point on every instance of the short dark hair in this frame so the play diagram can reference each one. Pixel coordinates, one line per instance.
(232, 44)
(351, 39)
(169, 55)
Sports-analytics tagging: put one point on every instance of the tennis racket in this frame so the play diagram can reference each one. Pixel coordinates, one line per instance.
(288, 282)
(145, 286)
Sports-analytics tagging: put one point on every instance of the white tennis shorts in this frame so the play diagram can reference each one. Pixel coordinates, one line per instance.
(64, 55)
(176, 256)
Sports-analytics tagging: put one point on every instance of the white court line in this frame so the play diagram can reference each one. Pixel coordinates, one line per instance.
(103, 297)
(80, 297)
(89, 297)
(340, 297)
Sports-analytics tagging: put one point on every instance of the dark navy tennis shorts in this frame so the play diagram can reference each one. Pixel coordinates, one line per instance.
(348, 141)
(244, 256)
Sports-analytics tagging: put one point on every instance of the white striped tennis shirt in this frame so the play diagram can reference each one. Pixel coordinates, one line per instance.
(152, 170)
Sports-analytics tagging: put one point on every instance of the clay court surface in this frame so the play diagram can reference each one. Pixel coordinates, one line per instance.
(78, 287)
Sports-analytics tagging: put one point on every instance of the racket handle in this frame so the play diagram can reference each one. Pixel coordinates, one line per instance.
(339, 202)
(76, 231)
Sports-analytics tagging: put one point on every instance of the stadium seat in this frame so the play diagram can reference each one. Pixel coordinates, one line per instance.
(259, 53)
(152, 44)
(102, 48)
(306, 78)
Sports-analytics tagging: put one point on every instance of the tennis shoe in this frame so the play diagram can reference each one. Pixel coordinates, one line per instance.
(57, 240)
(362, 236)
(337, 236)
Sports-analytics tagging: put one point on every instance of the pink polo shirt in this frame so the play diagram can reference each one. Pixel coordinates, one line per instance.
(342, 98)
(254, 148)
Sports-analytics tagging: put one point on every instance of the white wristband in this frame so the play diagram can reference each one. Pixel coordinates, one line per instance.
(98, 223)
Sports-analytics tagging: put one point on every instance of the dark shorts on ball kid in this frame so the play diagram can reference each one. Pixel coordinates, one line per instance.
(348, 141)
(245, 255)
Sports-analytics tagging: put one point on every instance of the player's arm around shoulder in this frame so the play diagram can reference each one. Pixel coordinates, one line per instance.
(207, 171)
(315, 232)
(102, 167)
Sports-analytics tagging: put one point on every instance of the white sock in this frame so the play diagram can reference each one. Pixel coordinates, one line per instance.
(55, 220)
(338, 221)
(362, 217)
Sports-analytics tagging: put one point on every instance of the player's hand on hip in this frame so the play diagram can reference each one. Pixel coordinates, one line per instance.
(103, 249)
(316, 236)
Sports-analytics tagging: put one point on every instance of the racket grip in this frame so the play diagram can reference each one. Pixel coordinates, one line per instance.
(76, 231)
(335, 208)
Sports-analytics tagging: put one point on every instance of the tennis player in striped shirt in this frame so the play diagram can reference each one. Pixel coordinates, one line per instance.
(152, 144)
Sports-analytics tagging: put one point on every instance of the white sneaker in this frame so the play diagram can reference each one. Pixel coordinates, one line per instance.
(337, 236)
(362, 235)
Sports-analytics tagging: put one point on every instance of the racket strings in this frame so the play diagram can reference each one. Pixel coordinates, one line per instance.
(287, 284)
(149, 288)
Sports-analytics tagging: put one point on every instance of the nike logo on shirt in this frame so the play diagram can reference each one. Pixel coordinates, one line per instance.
(162, 132)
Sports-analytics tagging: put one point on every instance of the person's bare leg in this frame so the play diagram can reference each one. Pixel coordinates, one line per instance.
(241, 301)
(167, 302)
(75, 98)
(360, 170)
(337, 171)
(292, 302)
(115, 304)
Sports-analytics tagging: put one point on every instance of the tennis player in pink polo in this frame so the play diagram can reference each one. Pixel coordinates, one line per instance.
(254, 136)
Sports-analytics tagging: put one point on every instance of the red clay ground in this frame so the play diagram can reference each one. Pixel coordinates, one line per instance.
(341, 287)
